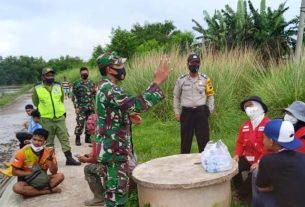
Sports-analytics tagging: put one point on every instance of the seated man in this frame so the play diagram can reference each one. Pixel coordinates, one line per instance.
(21, 135)
(31, 163)
(281, 175)
(34, 123)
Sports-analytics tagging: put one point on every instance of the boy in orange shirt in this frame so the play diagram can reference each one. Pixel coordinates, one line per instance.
(31, 164)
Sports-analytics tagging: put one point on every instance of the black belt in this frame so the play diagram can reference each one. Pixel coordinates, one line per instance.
(193, 108)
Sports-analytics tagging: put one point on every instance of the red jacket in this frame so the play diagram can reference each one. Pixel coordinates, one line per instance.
(301, 135)
(250, 143)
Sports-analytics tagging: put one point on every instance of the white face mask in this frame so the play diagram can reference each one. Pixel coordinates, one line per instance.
(251, 111)
(36, 149)
(290, 118)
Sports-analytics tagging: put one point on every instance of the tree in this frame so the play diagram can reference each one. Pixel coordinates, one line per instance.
(265, 30)
(149, 37)
(98, 50)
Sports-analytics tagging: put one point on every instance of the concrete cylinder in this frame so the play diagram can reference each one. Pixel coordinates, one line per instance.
(180, 181)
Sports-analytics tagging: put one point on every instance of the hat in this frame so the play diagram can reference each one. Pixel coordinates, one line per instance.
(282, 132)
(297, 109)
(110, 59)
(254, 98)
(193, 58)
(47, 70)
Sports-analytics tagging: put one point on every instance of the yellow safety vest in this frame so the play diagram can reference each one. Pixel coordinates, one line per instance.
(50, 102)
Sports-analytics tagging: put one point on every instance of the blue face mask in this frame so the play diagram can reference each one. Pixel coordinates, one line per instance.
(49, 80)
(121, 73)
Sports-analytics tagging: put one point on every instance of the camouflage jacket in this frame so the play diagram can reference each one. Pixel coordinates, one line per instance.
(83, 94)
(113, 108)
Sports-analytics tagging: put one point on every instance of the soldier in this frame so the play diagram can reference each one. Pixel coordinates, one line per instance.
(48, 97)
(114, 107)
(195, 95)
(84, 91)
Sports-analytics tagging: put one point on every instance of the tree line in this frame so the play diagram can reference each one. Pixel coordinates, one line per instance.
(264, 29)
(25, 69)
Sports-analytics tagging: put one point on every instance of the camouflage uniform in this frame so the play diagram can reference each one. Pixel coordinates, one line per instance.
(84, 92)
(113, 108)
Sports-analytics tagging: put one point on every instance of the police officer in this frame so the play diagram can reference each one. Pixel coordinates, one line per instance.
(193, 103)
(84, 91)
(114, 108)
(48, 97)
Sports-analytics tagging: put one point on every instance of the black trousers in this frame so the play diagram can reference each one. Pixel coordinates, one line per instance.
(194, 120)
(243, 187)
(22, 136)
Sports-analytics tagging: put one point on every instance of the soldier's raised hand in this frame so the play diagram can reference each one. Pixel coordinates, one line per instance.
(162, 72)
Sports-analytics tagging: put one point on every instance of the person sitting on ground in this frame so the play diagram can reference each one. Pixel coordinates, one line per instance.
(295, 113)
(249, 145)
(22, 135)
(281, 175)
(34, 123)
(31, 164)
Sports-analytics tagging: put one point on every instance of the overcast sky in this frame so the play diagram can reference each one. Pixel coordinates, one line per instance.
(51, 28)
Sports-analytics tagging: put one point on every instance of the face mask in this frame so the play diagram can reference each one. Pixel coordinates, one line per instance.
(194, 68)
(84, 76)
(251, 111)
(49, 80)
(290, 118)
(36, 149)
(121, 73)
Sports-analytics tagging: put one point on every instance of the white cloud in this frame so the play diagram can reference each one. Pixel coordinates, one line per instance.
(74, 27)
(9, 39)
(77, 39)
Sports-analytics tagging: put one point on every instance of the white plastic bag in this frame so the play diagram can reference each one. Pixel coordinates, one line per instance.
(216, 157)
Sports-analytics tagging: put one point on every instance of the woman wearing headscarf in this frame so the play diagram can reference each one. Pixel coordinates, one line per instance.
(249, 145)
(295, 113)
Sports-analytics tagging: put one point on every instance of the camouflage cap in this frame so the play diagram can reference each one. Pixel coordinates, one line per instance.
(47, 70)
(110, 59)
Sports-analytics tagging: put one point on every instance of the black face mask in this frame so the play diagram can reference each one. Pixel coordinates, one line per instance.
(84, 76)
(121, 73)
(194, 68)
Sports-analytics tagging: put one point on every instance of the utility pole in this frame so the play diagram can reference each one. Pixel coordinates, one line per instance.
(299, 46)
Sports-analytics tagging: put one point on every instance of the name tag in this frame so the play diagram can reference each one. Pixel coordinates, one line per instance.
(261, 128)
(250, 158)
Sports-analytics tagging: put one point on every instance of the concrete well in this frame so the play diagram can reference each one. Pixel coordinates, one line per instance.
(181, 181)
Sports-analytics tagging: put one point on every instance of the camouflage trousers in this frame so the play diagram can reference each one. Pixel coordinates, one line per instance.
(116, 181)
(94, 175)
(81, 119)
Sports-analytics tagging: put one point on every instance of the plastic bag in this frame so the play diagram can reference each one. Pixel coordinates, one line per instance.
(216, 157)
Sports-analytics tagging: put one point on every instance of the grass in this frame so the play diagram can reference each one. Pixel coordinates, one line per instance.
(9, 98)
(235, 75)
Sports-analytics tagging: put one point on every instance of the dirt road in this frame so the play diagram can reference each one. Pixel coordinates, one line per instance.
(74, 188)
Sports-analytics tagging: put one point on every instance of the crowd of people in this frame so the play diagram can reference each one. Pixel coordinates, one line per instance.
(269, 153)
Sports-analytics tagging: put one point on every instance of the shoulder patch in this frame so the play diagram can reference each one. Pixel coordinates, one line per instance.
(204, 75)
(182, 76)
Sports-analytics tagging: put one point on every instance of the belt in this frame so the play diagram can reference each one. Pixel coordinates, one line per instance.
(193, 108)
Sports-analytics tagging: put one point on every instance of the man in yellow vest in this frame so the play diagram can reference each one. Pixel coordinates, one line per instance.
(48, 97)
